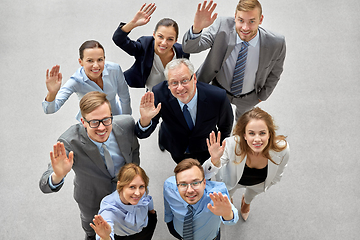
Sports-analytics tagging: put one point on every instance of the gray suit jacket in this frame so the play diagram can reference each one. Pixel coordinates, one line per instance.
(220, 37)
(92, 181)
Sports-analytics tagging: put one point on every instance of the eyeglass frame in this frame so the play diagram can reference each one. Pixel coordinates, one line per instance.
(99, 121)
(190, 184)
(182, 82)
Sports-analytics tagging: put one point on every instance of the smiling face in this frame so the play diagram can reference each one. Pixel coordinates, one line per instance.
(183, 93)
(133, 192)
(247, 23)
(165, 37)
(257, 135)
(193, 174)
(101, 133)
(93, 63)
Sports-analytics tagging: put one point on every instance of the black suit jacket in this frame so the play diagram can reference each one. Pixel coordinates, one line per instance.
(214, 113)
(143, 51)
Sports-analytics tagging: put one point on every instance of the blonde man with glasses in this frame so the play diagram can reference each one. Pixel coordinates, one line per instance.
(190, 111)
(95, 149)
(194, 207)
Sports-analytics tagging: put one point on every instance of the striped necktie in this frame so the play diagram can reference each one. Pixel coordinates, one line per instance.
(188, 233)
(238, 79)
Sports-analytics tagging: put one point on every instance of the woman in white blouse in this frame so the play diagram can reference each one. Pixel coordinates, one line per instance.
(253, 158)
(127, 213)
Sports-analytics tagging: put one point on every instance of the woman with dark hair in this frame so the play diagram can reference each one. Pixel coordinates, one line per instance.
(253, 158)
(127, 213)
(151, 53)
(94, 75)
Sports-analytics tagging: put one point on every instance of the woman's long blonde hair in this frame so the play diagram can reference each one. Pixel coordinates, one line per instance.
(242, 148)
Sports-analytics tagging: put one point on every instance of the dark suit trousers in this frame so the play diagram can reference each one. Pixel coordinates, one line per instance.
(200, 156)
(87, 215)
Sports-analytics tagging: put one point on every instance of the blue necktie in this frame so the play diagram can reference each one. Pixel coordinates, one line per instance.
(188, 117)
(238, 79)
(188, 224)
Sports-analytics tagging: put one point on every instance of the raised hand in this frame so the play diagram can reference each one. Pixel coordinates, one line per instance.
(221, 207)
(214, 147)
(101, 227)
(60, 163)
(53, 82)
(204, 16)
(148, 109)
(142, 17)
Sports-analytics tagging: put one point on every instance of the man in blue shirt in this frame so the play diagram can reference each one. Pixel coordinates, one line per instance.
(95, 149)
(208, 200)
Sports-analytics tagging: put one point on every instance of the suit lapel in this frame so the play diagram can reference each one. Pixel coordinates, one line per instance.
(175, 107)
(92, 151)
(263, 61)
(201, 104)
(119, 136)
(231, 45)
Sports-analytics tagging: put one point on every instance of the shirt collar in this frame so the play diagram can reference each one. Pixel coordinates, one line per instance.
(252, 42)
(107, 142)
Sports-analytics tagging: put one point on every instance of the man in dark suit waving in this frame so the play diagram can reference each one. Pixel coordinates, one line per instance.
(95, 149)
(190, 111)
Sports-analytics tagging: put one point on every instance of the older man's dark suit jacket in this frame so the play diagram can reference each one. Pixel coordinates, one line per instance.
(143, 51)
(92, 181)
(214, 113)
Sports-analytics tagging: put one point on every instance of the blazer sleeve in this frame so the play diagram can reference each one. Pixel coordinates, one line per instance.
(44, 181)
(202, 41)
(282, 165)
(226, 118)
(210, 169)
(121, 39)
(276, 66)
(135, 151)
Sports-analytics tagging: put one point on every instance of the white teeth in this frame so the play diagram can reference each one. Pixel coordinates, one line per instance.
(101, 134)
(95, 71)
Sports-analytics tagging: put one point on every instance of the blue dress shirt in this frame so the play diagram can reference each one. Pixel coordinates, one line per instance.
(206, 225)
(114, 151)
(125, 219)
(79, 83)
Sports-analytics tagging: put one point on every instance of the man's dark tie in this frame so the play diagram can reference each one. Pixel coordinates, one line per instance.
(188, 233)
(188, 117)
(108, 160)
(238, 79)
